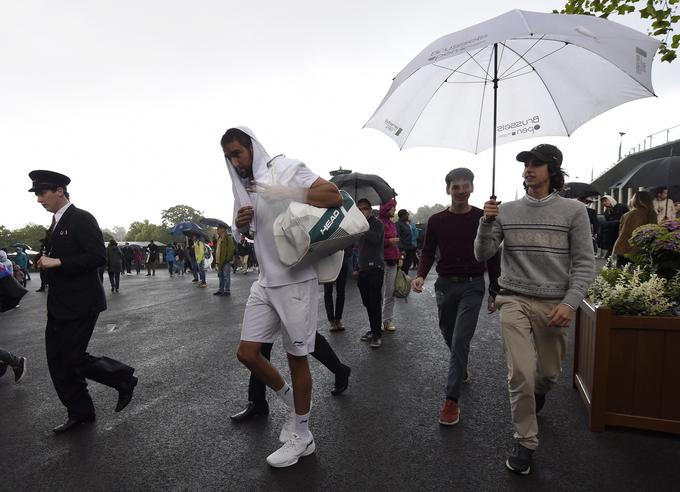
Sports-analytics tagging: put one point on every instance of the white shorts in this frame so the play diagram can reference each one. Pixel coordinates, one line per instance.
(290, 309)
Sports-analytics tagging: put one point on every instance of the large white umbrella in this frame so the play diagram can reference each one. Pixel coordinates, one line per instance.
(519, 75)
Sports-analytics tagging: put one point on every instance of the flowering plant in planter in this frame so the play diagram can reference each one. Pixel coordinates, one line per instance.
(659, 247)
(650, 285)
(634, 291)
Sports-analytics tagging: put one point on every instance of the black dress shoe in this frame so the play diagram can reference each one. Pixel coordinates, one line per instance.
(72, 422)
(251, 410)
(341, 381)
(125, 393)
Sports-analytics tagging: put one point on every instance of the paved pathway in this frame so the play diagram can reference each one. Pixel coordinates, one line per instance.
(382, 434)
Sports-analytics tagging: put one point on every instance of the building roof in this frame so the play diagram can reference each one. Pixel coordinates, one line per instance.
(612, 177)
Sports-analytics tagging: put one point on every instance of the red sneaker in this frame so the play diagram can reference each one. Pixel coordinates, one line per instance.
(450, 414)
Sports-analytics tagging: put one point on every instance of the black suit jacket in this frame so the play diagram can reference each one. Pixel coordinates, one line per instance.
(75, 290)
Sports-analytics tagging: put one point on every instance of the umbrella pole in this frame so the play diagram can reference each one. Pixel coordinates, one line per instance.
(495, 109)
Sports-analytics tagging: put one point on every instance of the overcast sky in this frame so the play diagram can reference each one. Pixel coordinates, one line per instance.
(130, 99)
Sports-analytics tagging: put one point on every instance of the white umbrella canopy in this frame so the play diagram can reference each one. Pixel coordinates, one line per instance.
(554, 72)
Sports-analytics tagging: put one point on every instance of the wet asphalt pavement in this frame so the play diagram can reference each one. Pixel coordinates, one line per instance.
(380, 435)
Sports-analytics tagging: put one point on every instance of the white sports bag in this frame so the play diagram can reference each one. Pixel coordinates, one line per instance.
(305, 234)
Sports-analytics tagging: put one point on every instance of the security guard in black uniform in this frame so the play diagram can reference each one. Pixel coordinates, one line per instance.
(74, 250)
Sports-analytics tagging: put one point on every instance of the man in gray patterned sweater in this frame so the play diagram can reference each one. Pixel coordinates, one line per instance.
(546, 267)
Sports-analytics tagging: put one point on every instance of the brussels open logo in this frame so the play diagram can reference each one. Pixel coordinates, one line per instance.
(528, 126)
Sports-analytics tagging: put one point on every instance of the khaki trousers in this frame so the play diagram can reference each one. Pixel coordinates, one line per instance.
(534, 353)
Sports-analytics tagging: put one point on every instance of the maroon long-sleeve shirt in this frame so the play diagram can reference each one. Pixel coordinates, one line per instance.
(454, 236)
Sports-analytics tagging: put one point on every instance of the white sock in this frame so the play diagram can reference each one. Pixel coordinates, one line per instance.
(286, 394)
(302, 425)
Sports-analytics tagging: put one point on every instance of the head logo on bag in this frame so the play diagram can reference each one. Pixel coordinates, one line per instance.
(312, 234)
(329, 223)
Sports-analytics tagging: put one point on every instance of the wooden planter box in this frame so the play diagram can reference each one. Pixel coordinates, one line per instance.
(627, 369)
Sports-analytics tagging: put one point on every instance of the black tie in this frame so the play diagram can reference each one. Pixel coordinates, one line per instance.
(54, 222)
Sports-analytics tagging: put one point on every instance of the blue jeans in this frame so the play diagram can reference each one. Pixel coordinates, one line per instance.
(200, 266)
(193, 267)
(224, 274)
(458, 306)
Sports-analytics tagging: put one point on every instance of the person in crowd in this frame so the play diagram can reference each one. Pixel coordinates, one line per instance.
(642, 212)
(43, 275)
(179, 259)
(244, 251)
(460, 285)
(334, 311)
(223, 258)
(127, 258)
(19, 275)
(547, 264)
(114, 264)
(677, 210)
(22, 260)
(370, 270)
(151, 258)
(391, 255)
(191, 255)
(170, 259)
(609, 230)
(74, 250)
(4, 260)
(405, 235)
(592, 218)
(415, 235)
(282, 300)
(663, 206)
(137, 259)
(7, 358)
(199, 254)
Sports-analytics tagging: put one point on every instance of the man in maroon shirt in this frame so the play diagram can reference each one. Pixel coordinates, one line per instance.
(459, 288)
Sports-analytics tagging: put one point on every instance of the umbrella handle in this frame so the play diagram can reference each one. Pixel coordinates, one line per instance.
(492, 197)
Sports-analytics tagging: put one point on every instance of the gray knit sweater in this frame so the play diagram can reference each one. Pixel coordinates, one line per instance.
(547, 248)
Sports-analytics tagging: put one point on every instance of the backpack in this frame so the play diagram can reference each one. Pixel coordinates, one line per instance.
(402, 285)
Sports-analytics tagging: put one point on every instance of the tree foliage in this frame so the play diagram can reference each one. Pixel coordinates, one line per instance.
(425, 212)
(662, 15)
(30, 234)
(180, 213)
(145, 231)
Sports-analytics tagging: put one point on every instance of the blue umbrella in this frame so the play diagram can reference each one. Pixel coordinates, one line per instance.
(185, 227)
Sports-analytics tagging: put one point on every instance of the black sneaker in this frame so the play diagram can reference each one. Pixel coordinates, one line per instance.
(20, 370)
(367, 337)
(3, 369)
(519, 461)
(540, 401)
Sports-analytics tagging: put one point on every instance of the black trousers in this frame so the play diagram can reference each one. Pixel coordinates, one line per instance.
(409, 259)
(339, 283)
(370, 284)
(43, 279)
(114, 278)
(70, 365)
(323, 352)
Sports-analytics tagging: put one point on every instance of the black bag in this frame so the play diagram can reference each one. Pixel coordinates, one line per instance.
(11, 293)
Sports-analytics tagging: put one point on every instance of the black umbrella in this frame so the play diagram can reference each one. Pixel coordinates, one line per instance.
(657, 172)
(578, 190)
(374, 188)
(207, 221)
